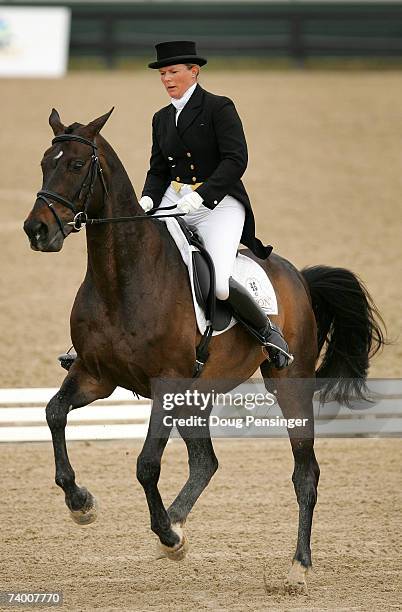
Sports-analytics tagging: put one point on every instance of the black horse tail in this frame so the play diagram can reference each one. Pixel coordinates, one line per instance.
(350, 327)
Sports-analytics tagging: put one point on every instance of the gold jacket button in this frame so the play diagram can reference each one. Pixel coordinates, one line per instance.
(194, 179)
(188, 154)
(178, 179)
(192, 167)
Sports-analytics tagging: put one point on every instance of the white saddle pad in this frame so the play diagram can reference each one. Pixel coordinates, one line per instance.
(246, 271)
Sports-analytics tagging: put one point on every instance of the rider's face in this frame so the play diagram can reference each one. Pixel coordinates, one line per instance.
(178, 78)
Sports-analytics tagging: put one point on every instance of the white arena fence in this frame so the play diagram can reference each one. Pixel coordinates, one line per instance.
(121, 416)
(22, 417)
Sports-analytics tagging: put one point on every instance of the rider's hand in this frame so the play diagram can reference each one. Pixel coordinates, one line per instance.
(146, 203)
(190, 202)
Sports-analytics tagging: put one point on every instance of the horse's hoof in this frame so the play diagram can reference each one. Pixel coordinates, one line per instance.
(88, 513)
(177, 552)
(295, 583)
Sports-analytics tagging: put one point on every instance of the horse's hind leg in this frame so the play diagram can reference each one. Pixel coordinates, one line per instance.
(295, 400)
(78, 389)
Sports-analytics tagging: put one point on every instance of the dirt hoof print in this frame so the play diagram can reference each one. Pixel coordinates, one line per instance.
(295, 583)
(295, 588)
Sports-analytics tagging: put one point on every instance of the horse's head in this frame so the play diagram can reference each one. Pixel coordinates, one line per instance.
(71, 173)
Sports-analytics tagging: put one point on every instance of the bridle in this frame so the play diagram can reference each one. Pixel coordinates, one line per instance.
(81, 217)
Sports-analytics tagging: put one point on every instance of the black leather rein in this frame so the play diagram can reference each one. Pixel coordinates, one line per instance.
(81, 217)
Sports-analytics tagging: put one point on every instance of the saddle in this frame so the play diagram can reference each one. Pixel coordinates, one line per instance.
(218, 312)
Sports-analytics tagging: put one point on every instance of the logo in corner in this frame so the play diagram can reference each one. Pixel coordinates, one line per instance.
(5, 35)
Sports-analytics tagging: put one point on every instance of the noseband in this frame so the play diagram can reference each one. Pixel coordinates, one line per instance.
(95, 169)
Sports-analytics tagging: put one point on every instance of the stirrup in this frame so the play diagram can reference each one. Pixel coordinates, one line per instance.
(289, 356)
(67, 359)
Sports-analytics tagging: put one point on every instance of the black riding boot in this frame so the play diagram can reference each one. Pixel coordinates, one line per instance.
(251, 314)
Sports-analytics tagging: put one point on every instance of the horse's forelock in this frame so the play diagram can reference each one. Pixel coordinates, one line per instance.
(71, 128)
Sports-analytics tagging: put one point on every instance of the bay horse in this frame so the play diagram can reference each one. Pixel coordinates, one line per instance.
(133, 321)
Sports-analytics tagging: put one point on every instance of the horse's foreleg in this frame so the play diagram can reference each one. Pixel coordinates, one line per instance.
(295, 400)
(202, 466)
(78, 389)
(168, 525)
(148, 472)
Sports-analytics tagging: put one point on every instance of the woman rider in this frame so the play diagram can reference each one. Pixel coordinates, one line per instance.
(199, 155)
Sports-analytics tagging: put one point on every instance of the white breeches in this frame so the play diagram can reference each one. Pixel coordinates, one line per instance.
(221, 229)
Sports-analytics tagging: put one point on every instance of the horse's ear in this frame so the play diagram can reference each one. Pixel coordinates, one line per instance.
(93, 128)
(55, 123)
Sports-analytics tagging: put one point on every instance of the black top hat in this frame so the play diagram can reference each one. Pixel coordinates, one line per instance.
(176, 52)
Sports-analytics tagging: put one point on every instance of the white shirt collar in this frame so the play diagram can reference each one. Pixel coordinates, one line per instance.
(180, 103)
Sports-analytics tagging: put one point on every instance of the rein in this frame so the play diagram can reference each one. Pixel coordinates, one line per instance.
(81, 217)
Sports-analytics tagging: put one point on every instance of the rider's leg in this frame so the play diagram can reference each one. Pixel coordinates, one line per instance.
(251, 313)
(221, 229)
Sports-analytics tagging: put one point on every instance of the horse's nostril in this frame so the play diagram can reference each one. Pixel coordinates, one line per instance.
(41, 232)
(36, 231)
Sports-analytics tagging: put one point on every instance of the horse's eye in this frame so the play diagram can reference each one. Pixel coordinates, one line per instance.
(77, 164)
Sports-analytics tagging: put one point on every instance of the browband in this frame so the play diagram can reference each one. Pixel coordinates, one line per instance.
(64, 137)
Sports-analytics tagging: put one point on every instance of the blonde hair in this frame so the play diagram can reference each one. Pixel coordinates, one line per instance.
(189, 66)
